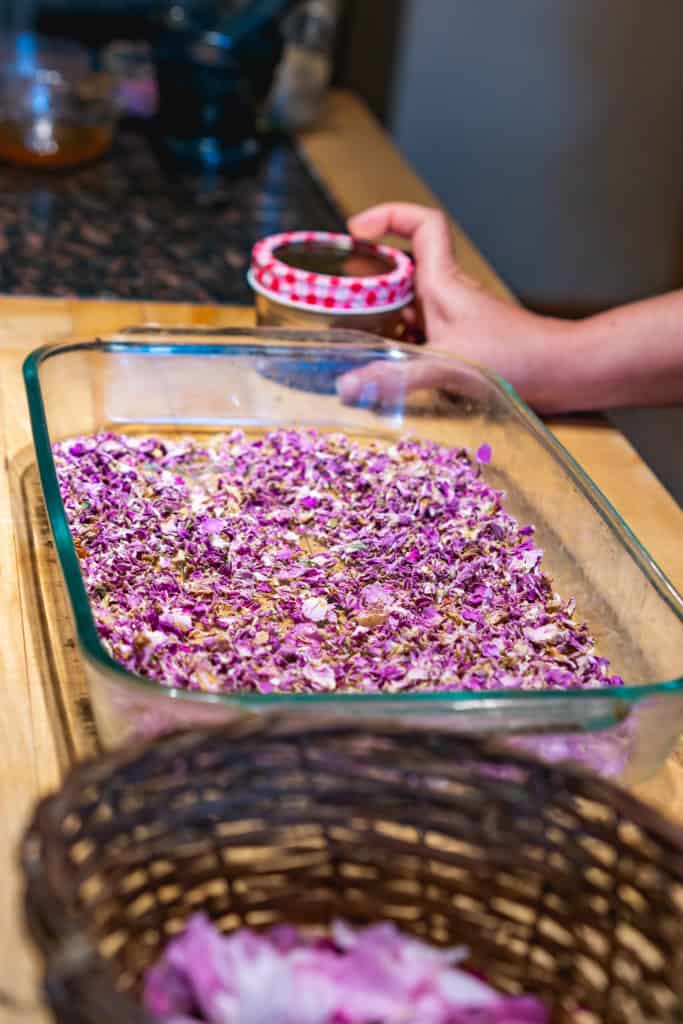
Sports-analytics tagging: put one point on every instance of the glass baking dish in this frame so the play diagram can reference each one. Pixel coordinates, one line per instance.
(196, 381)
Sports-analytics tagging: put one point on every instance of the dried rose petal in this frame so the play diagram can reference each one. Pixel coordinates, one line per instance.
(484, 454)
(315, 608)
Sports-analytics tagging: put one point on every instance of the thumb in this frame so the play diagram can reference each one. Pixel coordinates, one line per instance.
(427, 229)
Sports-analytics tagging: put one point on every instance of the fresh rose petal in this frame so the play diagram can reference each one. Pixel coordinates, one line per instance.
(373, 975)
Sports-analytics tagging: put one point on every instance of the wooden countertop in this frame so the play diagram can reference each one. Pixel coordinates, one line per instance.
(361, 167)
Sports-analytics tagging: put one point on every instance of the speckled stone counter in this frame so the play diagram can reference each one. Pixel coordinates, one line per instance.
(133, 227)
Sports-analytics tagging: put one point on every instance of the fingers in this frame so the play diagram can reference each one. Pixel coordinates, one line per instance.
(390, 218)
(385, 384)
(413, 315)
(426, 228)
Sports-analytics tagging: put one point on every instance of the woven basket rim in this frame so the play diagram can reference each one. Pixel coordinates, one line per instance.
(288, 725)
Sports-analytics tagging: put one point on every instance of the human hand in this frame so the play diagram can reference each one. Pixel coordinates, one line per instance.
(458, 316)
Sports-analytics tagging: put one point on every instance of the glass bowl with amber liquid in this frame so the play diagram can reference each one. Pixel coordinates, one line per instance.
(55, 112)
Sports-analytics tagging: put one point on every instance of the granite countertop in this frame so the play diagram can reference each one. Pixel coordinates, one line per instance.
(131, 226)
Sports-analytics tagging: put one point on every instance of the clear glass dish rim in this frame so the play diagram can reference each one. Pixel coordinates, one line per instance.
(86, 631)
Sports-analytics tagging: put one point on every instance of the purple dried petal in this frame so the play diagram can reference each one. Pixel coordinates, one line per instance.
(484, 454)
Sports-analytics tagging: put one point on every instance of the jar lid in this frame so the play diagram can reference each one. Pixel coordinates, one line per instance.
(338, 293)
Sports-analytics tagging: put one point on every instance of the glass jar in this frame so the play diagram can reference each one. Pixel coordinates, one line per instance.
(319, 279)
(214, 66)
(304, 73)
(54, 111)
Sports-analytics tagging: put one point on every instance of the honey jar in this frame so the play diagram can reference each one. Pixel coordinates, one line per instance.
(320, 279)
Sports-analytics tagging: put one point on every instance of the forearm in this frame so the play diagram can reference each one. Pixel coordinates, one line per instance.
(632, 355)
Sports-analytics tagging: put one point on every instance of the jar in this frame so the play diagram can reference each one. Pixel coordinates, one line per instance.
(54, 111)
(304, 73)
(214, 65)
(319, 279)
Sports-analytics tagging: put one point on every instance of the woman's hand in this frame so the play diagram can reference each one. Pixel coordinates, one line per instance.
(456, 313)
(631, 355)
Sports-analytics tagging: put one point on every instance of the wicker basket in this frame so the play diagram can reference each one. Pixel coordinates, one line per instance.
(559, 883)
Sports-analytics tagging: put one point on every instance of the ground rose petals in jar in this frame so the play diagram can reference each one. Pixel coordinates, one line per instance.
(319, 279)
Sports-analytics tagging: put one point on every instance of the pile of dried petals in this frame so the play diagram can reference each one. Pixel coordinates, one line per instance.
(308, 562)
(372, 976)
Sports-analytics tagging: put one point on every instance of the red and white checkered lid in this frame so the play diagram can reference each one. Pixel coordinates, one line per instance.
(302, 289)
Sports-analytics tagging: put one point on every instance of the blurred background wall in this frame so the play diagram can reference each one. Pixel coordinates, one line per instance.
(555, 130)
